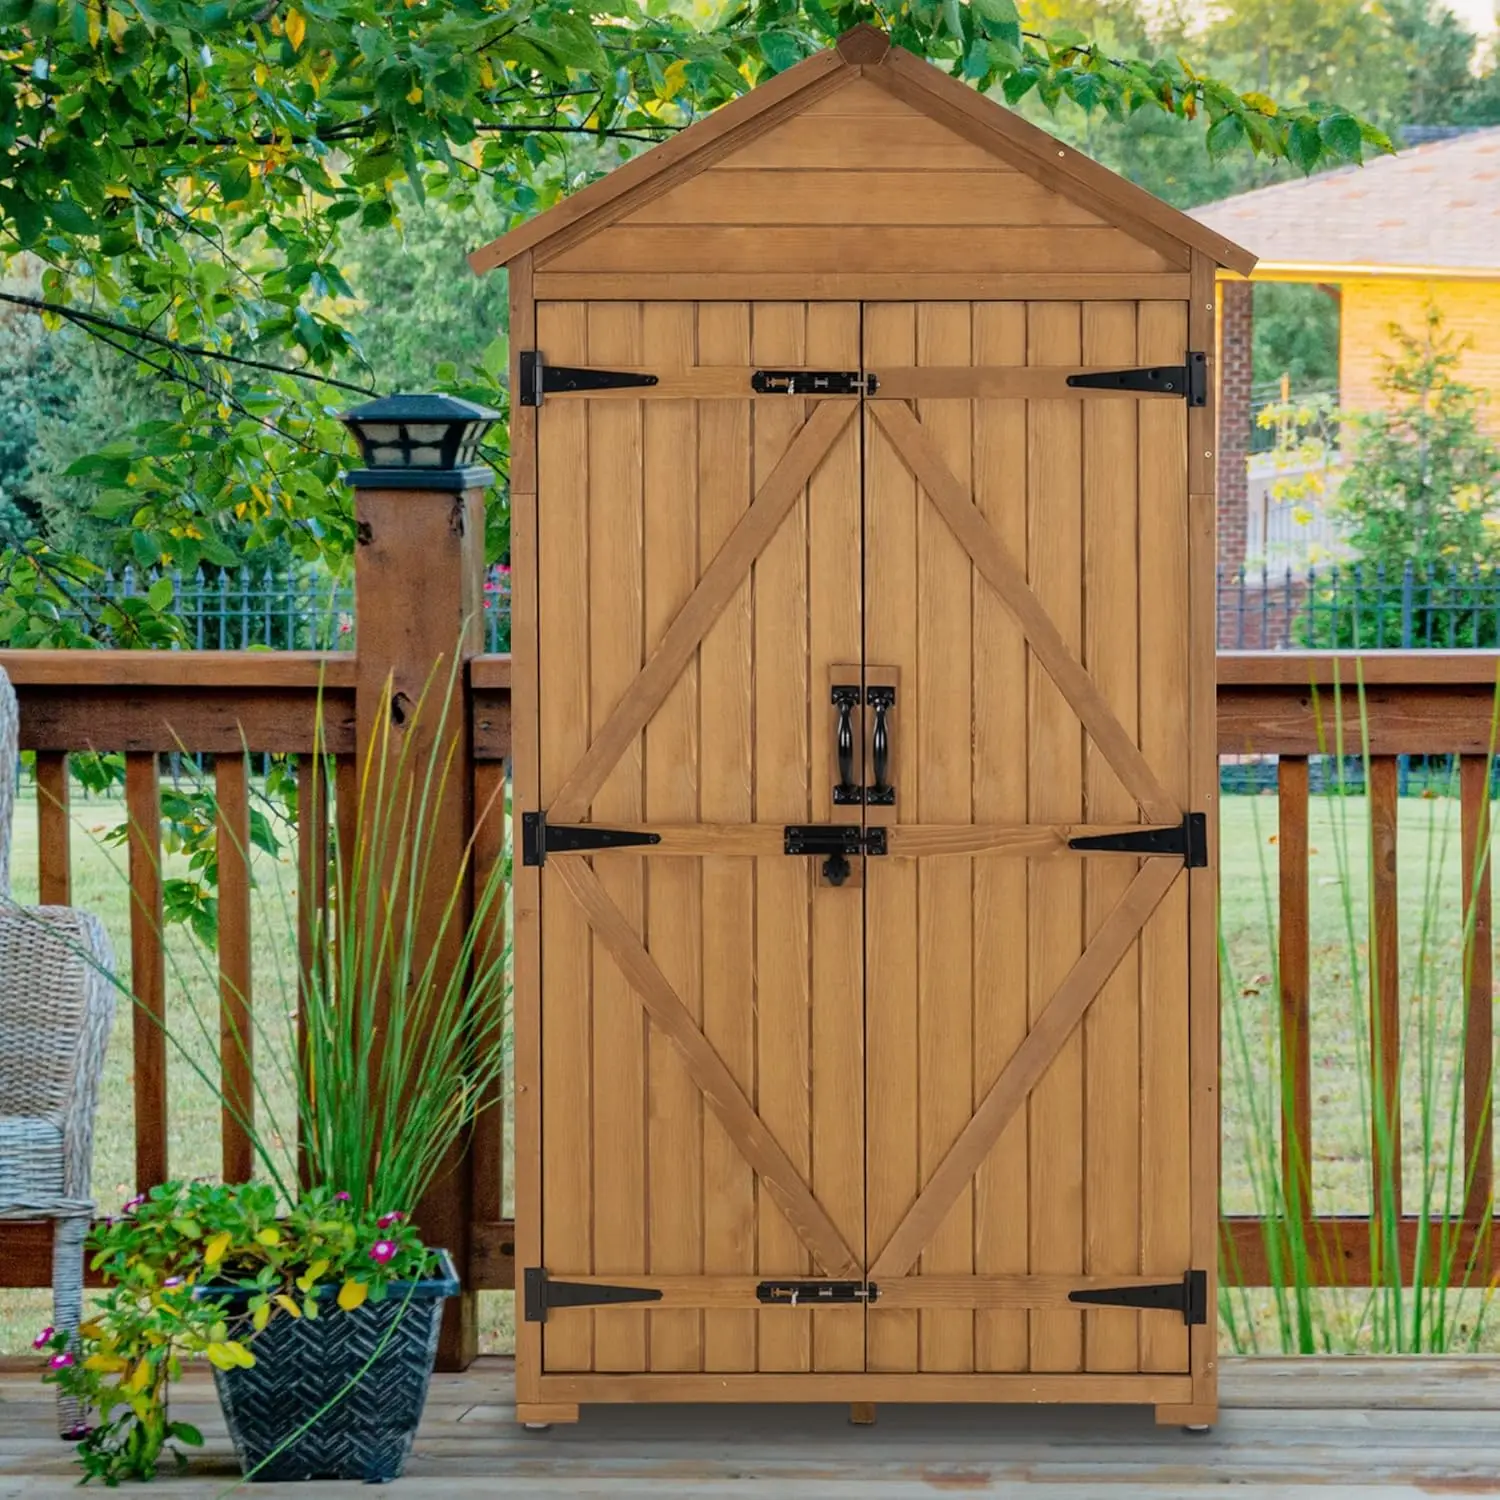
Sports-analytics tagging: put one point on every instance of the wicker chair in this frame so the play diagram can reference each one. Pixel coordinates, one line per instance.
(56, 1002)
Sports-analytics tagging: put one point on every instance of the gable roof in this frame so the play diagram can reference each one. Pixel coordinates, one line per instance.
(1434, 207)
(866, 52)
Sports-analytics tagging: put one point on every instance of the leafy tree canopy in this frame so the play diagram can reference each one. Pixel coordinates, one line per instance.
(191, 185)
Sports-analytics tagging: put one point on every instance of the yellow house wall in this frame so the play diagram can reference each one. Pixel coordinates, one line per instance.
(1470, 309)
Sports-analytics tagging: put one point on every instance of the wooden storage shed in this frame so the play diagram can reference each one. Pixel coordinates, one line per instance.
(865, 774)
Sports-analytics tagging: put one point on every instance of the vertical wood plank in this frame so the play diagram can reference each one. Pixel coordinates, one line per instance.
(487, 1144)
(54, 829)
(561, 1047)
(526, 998)
(784, 887)
(148, 973)
(726, 708)
(1166, 726)
(1055, 904)
(940, 778)
(1001, 773)
(1385, 988)
(312, 906)
(1112, 1027)
(893, 1167)
(1294, 963)
(673, 888)
(1479, 984)
(836, 1056)
(236, 1020)
(615, 656)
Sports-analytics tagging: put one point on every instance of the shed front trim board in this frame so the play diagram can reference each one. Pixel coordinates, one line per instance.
(865, 767)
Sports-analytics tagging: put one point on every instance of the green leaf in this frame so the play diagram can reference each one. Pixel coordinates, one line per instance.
(1020, 83)
(1304, 146)
(780, 50)
(185, 1432)
(159, 596)
(1225, 134)
(1341, 134)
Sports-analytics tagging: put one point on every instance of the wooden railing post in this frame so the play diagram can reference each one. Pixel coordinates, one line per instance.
(418, 587)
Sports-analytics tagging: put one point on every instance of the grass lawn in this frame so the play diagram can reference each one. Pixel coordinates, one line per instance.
(1429, 882)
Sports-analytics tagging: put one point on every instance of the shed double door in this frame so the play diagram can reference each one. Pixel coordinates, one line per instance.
(811, 1119)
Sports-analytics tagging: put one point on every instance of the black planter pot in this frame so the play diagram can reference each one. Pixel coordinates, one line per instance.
(302, 1364)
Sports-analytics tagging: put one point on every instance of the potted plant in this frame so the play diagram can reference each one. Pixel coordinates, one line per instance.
(309, 1290)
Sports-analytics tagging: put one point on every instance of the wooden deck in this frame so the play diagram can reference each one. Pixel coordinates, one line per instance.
(1331, 1428)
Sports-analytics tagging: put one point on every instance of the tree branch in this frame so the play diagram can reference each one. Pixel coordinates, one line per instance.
(96, 321)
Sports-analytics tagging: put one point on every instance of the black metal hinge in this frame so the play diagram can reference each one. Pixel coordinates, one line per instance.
(539, 378)
(813, 383)
(539, 838)
(1189, 380)
(542, 1293)
(1188, 1296)
(1189, 839)
(816, 1293)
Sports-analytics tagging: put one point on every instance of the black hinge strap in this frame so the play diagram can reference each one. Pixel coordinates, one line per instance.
(538, 378)
(542, 1294)
(539, 838)
(813, 383)
(1189, 381)
(1188, 1296)
(1189, 840)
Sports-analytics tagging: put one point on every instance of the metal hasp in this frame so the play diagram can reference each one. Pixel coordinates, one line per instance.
(542, 1293)
(1188, 1296)
(538, 378)
(816, 1293)
(540, 838)
(837, 842)
(1189, 380)
(813, 383)
(1189, 840)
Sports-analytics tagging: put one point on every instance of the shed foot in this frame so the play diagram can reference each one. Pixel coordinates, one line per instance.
(862, 1413)
(1195, 1418)
(538, 1416)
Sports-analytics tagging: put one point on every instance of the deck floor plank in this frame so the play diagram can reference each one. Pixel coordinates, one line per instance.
(1289, 1430)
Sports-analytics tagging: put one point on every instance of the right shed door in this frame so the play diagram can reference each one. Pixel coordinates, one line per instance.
(1026, 588)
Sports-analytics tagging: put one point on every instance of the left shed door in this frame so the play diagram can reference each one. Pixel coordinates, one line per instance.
(702, 997)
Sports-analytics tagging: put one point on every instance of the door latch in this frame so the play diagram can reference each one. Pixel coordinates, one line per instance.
(836, 842)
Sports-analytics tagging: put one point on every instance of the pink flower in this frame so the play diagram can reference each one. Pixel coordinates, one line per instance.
(60, 1361)
(173, 1281)
(43, 1338)
(382, 1250)
(386, 1220)
(133, 1203)
(341, 1197)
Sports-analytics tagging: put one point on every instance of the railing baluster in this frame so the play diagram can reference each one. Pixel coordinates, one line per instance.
(312, 903)
(1479, 1021)
(148, 973)
(346, 815)
(1385, 988)
(54, 829)
(1296, 992)
(236, 1022)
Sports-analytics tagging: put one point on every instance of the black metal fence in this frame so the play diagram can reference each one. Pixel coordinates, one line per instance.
(1358, 605)
(280, 608)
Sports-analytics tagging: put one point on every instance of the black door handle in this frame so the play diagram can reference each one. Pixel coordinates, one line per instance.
(880, 793)
(847, 790)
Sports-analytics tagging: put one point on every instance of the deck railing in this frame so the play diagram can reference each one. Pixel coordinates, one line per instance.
(1379, 709)
(222, 704)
